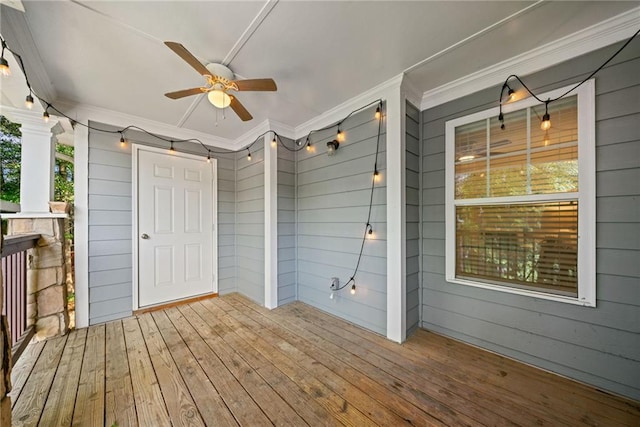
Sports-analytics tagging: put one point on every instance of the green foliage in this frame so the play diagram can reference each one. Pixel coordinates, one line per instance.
(10, 149)
(10, 154)
(63, 179)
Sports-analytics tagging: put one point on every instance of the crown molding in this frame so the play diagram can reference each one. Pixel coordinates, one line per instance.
(249, 137)
(381, 91)
(579, 43)
(119, 119)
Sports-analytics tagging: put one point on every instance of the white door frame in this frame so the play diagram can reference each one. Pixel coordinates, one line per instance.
(135, 150)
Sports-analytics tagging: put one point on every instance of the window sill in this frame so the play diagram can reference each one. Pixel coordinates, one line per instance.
(524, 292)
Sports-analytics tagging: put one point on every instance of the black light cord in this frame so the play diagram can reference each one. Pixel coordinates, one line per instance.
(368, 226)
(550, 100)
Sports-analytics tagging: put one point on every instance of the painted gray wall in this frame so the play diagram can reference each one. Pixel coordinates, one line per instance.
(600, 346)
(250, 223)
(110, 228)
(286, 224)
(226, 223)
(412, 171)
(332, 204)
(110, 223)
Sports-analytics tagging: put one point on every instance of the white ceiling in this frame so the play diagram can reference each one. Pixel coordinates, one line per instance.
(320, 53)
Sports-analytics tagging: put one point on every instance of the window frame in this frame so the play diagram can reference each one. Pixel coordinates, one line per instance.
(586, 196)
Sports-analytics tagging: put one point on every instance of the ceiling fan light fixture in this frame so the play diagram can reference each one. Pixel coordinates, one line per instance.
(219, 98)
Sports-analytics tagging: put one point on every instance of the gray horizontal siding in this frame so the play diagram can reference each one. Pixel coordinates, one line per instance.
(111, 224)
(332, 204)
(286, 225)
(412, 183)
(110, 228)
(249, 224)
(601, 345)
(226, 223)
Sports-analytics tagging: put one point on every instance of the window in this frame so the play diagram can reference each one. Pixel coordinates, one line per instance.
(520, 201)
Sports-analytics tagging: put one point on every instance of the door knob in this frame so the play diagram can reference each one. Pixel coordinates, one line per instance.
(145, 236)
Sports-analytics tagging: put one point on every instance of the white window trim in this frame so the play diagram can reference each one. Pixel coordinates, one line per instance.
(586, 196)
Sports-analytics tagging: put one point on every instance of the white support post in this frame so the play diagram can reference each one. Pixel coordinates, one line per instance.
(396, 217)
(38, 161)
(81, 223)
(270, 224)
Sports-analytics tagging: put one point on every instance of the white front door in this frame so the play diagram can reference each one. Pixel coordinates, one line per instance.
(175, 239)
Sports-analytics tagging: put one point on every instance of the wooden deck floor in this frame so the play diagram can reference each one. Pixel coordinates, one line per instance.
(227, 361)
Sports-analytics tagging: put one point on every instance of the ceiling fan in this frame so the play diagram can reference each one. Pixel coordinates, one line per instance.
(220, 80)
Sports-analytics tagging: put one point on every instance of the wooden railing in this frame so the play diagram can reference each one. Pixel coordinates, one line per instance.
(14, 279)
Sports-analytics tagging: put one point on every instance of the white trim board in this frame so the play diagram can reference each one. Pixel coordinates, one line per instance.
(597, 36)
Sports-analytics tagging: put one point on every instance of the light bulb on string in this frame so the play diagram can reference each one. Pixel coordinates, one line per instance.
(309, 146)
(353, 288)
(378, 113)
(545, 124)
(171, 147)
(45, 116)
(376, 175)
(123, 142)
(28, 101)
(4, 65)
(208, 156)
(340, 135)
(248, 155)
(274, 142)
(511, 94)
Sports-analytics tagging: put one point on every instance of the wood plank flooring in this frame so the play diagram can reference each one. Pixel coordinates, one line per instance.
(229, 362)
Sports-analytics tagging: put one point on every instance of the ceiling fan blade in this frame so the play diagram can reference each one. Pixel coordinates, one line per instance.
(185, 92)
(256, 84)
(183, 53)
(239, 109)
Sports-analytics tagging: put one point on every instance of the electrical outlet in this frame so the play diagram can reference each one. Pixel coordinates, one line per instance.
(335, 283)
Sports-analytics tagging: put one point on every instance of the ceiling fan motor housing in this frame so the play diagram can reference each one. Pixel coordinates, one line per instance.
(220, 71)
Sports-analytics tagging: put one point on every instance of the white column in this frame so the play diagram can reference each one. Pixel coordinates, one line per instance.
(270, 223)
(396, 218)
(81, 223)
(38, 160)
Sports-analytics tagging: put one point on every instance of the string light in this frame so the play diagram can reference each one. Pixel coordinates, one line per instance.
(274, 142)
(4, 65)
(309, 147)
(376, 174)
(510, 94)
(208, 156)
(28, 101)
(378, 113)
(123, 143)
(368, 232)
(545, 124)
(340, 134)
